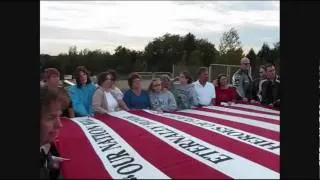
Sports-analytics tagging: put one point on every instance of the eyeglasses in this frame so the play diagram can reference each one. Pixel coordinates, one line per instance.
(246, 63)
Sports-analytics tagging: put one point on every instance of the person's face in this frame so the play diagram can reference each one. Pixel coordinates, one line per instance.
(261, 72)
(270, 72)
(204, 76)
(165, 83)
(50, 123)
(183, 79)
(156, 86)
(245, 64)
(108, 82)
(53, 80)
(223, 80)
(136, 83)
(83, 77)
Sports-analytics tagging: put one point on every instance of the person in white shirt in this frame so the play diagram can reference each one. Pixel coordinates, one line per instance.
(105, 99)
(205, 90)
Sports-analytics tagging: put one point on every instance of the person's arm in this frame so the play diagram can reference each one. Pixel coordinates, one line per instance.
(236, 85)
(264, 91)
(153, 103)
(70, 110)
(194, 96)
(172, 104)
(78, 107)
(148, 100)
(97, 101)
(127, 99)
(119, 97)
(213, 100)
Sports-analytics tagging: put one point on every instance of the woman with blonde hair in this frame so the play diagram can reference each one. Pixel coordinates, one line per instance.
(162, 101)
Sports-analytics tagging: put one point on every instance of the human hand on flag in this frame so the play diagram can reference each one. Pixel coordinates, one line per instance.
(57, 160)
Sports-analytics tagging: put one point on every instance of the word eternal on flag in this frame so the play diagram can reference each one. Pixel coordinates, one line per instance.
(144, 144)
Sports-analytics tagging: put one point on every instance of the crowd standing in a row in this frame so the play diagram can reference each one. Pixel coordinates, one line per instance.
(163, 95)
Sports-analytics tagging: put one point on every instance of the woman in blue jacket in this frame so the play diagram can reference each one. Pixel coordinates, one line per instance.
(81, 93)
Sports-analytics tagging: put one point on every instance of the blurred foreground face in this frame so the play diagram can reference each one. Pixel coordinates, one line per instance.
(136, 83)
(261, 73)
(270, 72)
(53, 80)
(83, 78)
(245, 64)
(204, 76)
(223, 81)
(156, 86)
(183, 79)
(165, 83)
(50, 123)
(108, 82)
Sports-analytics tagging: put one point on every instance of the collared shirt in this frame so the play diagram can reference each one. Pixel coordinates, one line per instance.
(205, 93)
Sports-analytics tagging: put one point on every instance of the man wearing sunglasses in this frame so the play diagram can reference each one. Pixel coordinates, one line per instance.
(242, 81)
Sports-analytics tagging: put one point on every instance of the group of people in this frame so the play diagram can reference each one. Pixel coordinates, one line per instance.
(163, 95)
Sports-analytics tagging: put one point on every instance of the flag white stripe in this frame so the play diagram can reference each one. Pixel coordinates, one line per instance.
(148, 171)
(213, 128)
(252, 122)
(229, 110)
(256, 108)
(237, 167)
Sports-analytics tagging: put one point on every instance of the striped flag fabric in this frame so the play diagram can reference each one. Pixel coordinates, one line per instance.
(239, 141)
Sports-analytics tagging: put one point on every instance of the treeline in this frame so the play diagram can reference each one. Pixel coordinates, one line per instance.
(161, 53)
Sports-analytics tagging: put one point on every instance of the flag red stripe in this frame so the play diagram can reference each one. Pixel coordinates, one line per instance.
(240, 115)
(252, 129)
(252, 153)
(166, 158)
(251, 110)
(84, 162)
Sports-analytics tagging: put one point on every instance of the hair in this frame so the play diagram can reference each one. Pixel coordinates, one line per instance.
(102, 77)
(48, 96)
(201, 70)
(218, 79)
(113, 74)
(64, 97)
(267, 65)
(187, 76)
(77, 75)
(151, 83)
(48, 72)
(131, 77)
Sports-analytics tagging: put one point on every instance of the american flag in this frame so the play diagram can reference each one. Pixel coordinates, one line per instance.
(239, 141)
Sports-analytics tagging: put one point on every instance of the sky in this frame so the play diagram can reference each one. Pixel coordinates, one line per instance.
(107, 24)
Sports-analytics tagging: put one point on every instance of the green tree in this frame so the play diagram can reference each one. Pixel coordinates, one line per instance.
(230, 41)
(254, 65)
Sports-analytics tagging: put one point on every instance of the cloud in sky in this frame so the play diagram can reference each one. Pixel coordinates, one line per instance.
(107, 24)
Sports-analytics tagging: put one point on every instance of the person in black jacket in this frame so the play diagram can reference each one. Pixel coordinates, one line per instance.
(51, 105)
(256, 82)
(270, 87)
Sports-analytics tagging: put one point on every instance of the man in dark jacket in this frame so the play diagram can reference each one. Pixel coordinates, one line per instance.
(242, 81)
(270, 87)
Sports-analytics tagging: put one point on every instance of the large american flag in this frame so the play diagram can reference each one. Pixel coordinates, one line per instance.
(240, 141)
